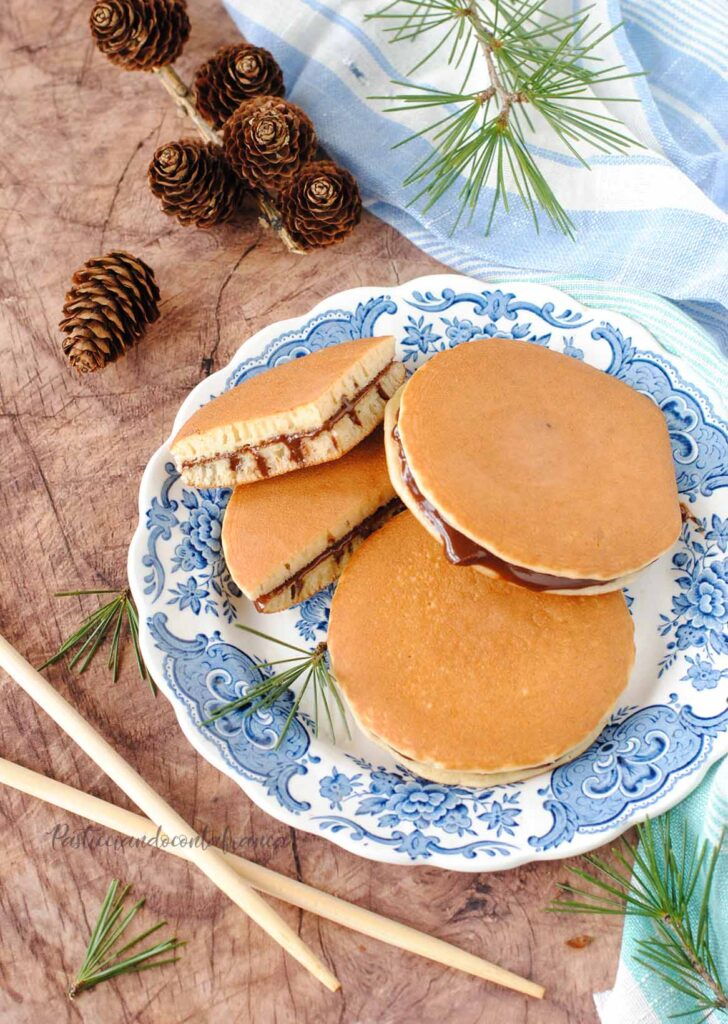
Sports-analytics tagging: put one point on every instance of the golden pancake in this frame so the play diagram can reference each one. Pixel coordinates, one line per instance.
(286, 538)
(534, 464)
(302, 413)
(463, 674)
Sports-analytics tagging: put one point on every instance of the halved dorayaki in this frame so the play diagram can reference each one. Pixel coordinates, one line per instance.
(286, 538)
(307, 411)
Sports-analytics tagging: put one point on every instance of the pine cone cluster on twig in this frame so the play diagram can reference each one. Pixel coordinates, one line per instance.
(321, 205)
(195, 183)
(140, 35)
(268, 143)
(268, 140)
(233, 75)
(111, 300)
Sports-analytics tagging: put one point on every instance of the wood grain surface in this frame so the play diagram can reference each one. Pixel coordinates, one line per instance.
(77, 135)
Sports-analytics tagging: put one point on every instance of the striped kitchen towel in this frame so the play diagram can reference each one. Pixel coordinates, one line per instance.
(653, 219)
(639, 996)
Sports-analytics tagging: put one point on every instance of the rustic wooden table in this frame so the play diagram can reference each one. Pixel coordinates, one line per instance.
(77, 135)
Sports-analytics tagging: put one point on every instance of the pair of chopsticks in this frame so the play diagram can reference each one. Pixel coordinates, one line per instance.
(237, 877)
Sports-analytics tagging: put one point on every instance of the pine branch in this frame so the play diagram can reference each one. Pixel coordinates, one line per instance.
(85, 642)
(105, 958)
(535, 62)
(309, 667)
(660, 881)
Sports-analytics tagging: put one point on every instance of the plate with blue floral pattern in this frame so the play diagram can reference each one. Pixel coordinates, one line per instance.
(672, 724)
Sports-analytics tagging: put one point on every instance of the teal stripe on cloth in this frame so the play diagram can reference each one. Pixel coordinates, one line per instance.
(639, 996)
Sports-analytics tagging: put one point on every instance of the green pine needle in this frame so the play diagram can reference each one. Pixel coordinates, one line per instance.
(105, 957)
(309, 666)
(535, 64)
(84, 643)
(659, 880)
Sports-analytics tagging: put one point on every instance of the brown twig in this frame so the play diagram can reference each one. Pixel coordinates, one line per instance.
(711, 983)
(497, 88)
(181, 93)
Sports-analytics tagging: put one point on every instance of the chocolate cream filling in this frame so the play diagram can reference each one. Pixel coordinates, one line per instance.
(461, 550)
(294, 442)
(337, 549)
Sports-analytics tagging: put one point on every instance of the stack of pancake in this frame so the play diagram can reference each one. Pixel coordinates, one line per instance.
(482, 635)
(298, 444)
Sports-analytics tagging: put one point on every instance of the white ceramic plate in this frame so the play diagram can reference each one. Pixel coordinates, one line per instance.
(658, 745)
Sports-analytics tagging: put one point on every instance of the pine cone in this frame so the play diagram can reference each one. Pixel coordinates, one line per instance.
(267, 140)
(111, 301)
(140, 35)
(195, 183)
(233, 75)
(321, 205)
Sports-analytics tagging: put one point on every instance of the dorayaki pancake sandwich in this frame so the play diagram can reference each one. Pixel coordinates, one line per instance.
(284, 539)
(304, 412)
(467, 679)
(533, 466)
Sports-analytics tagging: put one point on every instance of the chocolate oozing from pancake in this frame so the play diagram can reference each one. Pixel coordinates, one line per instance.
(294, 442)
(338, 549)
(462, 550)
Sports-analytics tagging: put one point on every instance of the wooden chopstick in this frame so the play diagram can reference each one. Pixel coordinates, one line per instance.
(296, 893)
(208, 859)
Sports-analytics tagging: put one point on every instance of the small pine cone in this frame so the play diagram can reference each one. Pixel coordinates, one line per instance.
(111, 301)
(195, 183)
(140, 35)
(233, 75)
(321, 205)
(267, 140)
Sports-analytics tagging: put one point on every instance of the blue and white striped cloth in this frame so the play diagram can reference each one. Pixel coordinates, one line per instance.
(639, 996)
(653, 219)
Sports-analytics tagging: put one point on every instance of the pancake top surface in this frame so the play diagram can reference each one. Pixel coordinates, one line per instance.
(302, 384)
(452, 668)
(542, 459)
(274, 527)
